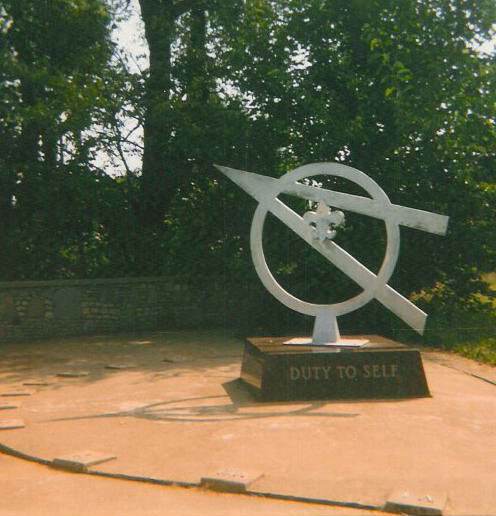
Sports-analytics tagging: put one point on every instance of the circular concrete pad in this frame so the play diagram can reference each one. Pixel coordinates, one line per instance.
(181, 414)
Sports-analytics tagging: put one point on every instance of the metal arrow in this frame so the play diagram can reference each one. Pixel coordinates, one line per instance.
(261, 188)
(256, 184)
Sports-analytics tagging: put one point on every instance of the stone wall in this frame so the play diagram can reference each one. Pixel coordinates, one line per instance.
(34, 309)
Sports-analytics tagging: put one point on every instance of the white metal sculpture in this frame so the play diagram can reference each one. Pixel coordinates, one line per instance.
(319, 228)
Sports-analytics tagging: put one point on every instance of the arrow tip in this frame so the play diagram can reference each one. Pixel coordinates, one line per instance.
(253, 184)
(229, 172)
(219, 167)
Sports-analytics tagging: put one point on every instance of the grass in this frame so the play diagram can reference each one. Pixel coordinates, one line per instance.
(473, 336)
(483, 350)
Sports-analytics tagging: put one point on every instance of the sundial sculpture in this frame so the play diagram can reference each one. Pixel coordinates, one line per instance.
(318, 229)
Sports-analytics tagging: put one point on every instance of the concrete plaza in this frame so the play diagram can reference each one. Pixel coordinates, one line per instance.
(168, 406)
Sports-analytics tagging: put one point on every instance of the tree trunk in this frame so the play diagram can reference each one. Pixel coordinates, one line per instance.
(27, 148)
(198, 84)
(157, 177)
(49, 146)
(160, 179)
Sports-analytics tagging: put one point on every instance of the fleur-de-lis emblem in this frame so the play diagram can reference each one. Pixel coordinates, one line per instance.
(324, 221)
(319, 228)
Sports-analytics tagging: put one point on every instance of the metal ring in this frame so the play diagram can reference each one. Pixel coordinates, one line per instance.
(392, 231)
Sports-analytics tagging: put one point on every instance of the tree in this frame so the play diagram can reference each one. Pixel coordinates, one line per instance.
(54, 57)
(398, 91)
(160, 18)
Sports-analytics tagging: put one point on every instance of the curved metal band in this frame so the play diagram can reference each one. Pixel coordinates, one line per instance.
(392, 230)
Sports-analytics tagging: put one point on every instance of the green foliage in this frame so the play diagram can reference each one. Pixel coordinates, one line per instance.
(483, 350)
(397, 90)
(55, 86)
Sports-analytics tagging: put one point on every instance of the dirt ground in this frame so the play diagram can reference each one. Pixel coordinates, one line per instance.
(168, 406)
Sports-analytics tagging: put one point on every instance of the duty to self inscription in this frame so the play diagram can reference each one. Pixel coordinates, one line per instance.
(342, 372)
(280, 375)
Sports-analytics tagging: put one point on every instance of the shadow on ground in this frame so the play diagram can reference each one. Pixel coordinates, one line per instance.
(96, 357)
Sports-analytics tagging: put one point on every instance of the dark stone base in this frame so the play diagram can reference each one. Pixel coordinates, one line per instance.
(382, 369)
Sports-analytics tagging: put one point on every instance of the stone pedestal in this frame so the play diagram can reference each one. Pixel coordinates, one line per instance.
(381, 369)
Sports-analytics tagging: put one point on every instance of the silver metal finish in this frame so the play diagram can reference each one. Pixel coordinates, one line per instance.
(324, 221)
(318, 229)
